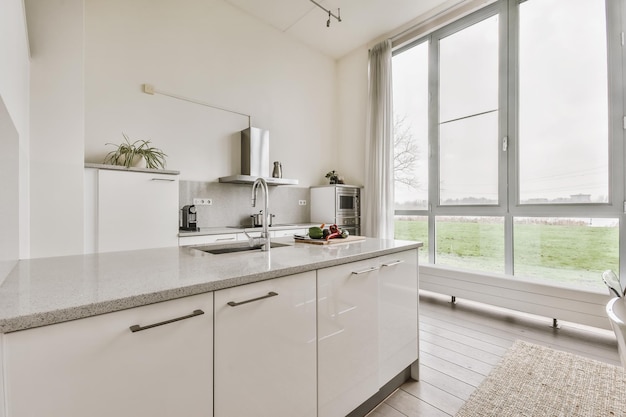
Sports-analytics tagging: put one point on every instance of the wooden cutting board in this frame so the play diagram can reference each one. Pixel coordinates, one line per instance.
(336, 241)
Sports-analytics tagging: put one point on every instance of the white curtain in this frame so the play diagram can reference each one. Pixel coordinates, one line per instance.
(378, 193)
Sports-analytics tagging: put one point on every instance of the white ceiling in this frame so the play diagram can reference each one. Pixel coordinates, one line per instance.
(362, 20)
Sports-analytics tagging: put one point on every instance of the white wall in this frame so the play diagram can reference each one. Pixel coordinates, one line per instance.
(208, 51)
(9, 194)
(202, 49)
(14, 95)
(14, 73)
(56, 130)
(14, 64)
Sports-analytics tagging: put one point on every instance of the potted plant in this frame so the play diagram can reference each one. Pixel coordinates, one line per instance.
(133, 154)
(333, 177)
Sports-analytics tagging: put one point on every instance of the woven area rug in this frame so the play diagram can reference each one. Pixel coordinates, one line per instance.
(533, 380)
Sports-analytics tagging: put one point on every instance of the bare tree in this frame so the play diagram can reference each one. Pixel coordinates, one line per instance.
(406, 153)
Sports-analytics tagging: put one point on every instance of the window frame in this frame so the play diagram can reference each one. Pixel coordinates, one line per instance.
(508, 205)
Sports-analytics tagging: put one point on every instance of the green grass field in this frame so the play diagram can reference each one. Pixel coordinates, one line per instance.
(571, 254)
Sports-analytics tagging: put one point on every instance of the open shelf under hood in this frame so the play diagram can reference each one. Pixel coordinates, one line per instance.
(249, 179)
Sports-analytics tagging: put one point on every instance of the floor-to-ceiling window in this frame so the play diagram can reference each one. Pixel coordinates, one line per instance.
(508, 140)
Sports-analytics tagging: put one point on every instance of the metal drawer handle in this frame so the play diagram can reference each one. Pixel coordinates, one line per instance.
(162, 179)
(269, 294)
(394, 263)
(365, 271)
(224, 238)
(138, 328)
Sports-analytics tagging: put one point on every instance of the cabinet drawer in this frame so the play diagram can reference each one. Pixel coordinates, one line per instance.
(98, 367)
(206, 239)
(288, 232)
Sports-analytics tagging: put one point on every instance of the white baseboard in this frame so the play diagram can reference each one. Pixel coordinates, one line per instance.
(559, 302)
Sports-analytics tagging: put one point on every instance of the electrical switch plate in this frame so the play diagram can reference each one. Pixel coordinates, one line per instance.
(203, 201)
(302, 202)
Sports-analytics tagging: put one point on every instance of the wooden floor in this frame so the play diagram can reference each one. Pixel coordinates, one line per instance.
(460, 343)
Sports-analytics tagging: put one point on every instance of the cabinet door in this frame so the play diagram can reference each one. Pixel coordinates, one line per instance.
(347, 336)
(136, 210)
(398, 281)
(207, 239)
(288, 232)
(97, 367)
(265, 348)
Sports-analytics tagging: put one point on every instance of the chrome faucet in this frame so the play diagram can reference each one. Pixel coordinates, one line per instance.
(265, 235)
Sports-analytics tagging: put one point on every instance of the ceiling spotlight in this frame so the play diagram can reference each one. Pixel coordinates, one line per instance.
(330, 14)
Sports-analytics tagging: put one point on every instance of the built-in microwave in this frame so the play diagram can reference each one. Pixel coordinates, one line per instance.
(347, 201)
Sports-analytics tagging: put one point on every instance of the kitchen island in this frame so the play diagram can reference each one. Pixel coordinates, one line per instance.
(55, 314)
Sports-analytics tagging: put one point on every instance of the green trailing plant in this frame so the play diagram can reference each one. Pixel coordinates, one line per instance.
(127, 153)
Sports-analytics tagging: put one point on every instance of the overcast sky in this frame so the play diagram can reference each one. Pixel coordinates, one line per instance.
(563, 104)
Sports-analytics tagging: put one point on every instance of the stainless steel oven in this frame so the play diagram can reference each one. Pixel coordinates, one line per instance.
(351, 224)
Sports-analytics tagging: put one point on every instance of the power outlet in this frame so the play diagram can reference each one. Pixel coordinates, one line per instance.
(203, 201)
(302, 202)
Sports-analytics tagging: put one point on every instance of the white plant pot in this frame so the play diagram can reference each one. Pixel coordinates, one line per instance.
(139, 162)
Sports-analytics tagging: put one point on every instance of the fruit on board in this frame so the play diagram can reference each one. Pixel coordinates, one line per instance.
(315, 233)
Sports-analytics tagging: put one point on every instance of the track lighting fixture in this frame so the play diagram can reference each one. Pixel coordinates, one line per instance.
(330, 14)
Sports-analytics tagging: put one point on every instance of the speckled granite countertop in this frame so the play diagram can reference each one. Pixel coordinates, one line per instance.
(38, 292)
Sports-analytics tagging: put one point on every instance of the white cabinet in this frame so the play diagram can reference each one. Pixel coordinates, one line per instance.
(289, 232)
(130, 210)
(251, 233)
(398, 325)
(274, 233)
(318, 343)
(97, 367)
(233, 237)
(207, 239)
(347, 336)
(265, 362)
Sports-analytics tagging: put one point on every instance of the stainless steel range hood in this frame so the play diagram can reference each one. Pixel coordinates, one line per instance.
(255, 159)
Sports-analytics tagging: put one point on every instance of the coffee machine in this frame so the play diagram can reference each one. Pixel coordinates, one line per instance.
(188, 218)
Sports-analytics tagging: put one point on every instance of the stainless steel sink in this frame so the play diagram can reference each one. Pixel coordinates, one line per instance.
(235, 248)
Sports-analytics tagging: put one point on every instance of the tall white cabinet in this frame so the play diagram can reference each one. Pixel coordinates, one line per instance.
(128, 210)
(265, 348)
(98, 367)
